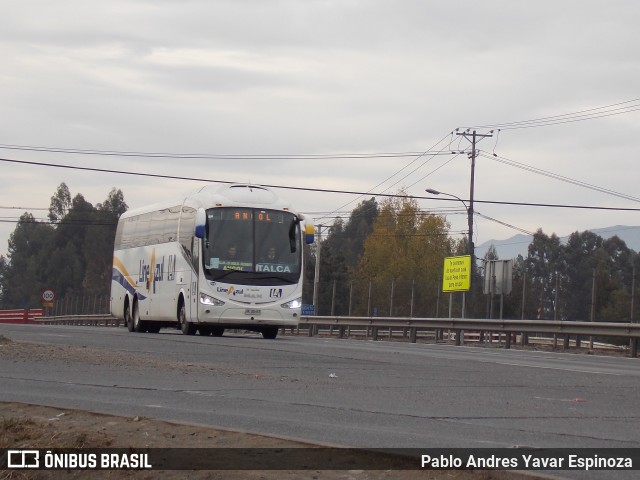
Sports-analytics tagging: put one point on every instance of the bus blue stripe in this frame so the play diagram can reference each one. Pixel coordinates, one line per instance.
(117, 276)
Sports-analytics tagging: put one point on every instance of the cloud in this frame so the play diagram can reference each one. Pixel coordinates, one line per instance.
(288, 77)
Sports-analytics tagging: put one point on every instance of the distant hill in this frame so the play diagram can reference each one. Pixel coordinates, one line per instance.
(519, 244)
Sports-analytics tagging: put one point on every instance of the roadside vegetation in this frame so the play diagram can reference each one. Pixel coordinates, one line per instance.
(384, 259)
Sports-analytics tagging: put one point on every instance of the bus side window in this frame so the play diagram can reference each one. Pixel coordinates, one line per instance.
(142, 234)
(195, 257)
(171, 225)
(187, 227)
(157, 223)
(129, 232)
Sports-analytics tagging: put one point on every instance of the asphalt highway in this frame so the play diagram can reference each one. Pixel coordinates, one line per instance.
(343, 392)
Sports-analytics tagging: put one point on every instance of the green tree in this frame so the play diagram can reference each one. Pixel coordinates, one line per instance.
(340, 255)
(583, 254)
(613, 279)
(543, 264)
(491, 254)
(114, 204)
(28, 250)
(357, 230)
(98, 246)
(73, 256)
(67, 263)
(570, 269)
(60, 203)
(334, 272)
(514, 307)
(4, 266)
(405, 251)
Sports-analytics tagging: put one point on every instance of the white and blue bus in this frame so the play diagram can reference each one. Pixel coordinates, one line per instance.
(215, 259)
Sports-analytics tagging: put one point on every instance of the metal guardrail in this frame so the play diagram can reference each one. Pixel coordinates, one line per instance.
(602, 329)
(87, 320)
(629, 331)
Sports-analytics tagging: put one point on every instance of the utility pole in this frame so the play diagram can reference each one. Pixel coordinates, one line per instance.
(474, 136)
(634, 341)
(316, 280)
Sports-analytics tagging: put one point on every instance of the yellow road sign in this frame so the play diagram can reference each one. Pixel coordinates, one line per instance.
(456, 276)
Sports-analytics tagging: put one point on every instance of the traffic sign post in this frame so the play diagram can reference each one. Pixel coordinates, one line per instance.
(48, 296)
(456, 276)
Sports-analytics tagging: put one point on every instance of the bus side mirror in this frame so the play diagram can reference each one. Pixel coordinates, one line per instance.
(309, 234)
(201, 222)
(292, 234)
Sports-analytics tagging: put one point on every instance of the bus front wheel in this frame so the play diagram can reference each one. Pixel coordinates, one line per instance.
(270, 333)
(217, 331)
(187, 327)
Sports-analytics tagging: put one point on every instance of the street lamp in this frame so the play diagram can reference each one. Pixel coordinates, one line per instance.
(469, 217)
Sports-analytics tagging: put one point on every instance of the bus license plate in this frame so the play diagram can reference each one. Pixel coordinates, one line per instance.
(252, 311)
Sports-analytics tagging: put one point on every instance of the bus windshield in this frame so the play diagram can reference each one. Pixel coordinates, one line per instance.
(252, 246)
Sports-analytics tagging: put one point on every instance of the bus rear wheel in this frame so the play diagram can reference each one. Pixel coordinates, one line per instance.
(127, 317)
(137, 324)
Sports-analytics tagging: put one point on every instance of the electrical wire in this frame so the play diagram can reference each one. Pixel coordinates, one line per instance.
(619, 108)
(209, 156)
(503, 223)
(428, 152)
(43, 221)
(315, 190)
(562, 178)
(22, 208)
(542, 205)
(431, 157)
(194, 179)
(583, 115)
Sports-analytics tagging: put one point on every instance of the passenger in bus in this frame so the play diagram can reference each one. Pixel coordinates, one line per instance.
(269, 256)
(232, 253)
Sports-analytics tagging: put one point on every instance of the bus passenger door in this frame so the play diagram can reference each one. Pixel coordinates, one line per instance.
(195, 272)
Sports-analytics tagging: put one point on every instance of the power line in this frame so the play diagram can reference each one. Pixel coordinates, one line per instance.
(316, 190)
(195, 179)
(619, 108)
(22, 208)
(78, 223)
(418, 157)
(504, 223)
(456, 153)
(544, 205)
(210, 156)
(556, 176)
(431, 156)
(43, 221)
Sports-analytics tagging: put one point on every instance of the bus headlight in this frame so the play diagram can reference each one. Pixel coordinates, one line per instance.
(207, 300)
(297, 303)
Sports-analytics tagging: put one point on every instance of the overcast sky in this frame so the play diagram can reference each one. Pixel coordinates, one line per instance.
(320, 77)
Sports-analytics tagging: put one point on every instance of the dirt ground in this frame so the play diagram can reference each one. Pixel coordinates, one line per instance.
(35, 426)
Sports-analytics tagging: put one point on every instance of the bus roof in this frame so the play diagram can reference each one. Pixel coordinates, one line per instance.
(210, 196)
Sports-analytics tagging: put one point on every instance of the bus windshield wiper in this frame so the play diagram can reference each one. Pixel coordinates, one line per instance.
(276, 277)
(225, 273)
